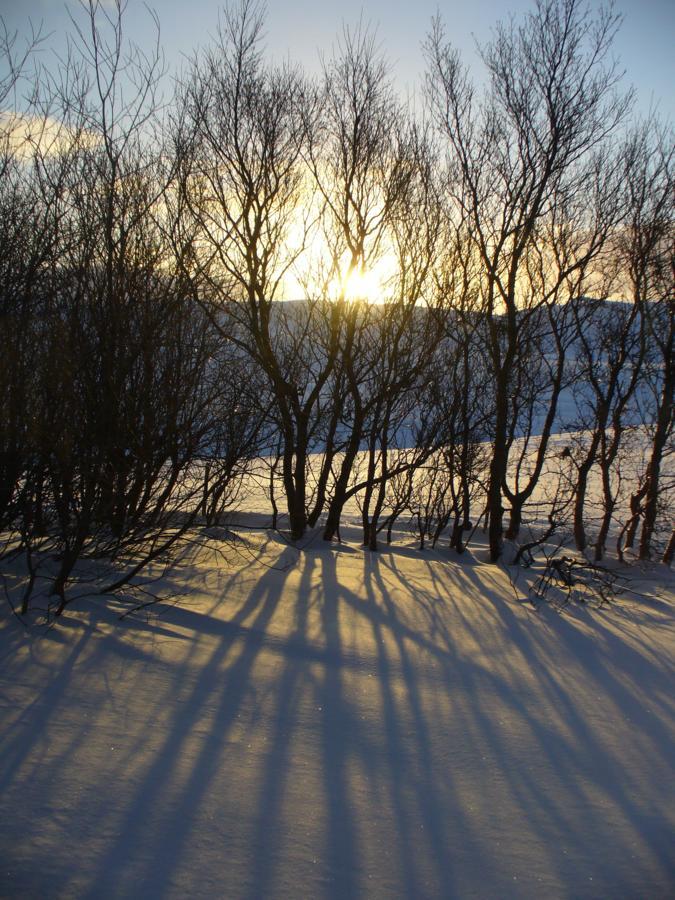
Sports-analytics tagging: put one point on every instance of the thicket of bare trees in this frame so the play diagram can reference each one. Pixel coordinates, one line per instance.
(146, 243)
(528, 179)
(117, 390)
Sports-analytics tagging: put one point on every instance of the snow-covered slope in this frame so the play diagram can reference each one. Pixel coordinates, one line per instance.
(335, 724)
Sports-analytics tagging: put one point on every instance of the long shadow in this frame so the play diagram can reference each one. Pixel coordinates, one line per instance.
(508, 669)
(31, 728)
(581, 759)
(404, 770)
(163, 850)
(268, 833)
(524, 651)
(445, 818)
(339, 732)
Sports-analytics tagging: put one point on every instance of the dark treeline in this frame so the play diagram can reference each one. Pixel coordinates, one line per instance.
(148, 369)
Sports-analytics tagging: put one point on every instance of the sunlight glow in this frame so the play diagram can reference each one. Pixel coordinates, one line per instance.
(362, 284)
(317, 273)
(25, 136)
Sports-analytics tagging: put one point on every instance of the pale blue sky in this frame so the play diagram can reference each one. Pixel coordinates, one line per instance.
(299, 28)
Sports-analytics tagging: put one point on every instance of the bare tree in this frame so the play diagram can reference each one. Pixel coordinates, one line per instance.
(373, 172)
(611, 345)
(648, 251)
(516, 157)
(119, 390)
(26, 239)
(242, 128)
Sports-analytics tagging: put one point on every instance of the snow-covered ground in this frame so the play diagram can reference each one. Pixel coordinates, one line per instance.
(330, 723)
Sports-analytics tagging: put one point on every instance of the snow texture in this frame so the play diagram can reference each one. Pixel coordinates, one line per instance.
(332, 723)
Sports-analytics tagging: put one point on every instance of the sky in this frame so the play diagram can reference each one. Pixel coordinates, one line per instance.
(299, 29)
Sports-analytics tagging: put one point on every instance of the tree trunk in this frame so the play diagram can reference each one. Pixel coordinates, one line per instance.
(635, 511)
(340, 493)
(294, 467)
(654, 470)
(515, 518)
(495, 509)
(579, 528)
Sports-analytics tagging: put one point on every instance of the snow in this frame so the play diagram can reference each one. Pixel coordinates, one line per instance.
(331, 723)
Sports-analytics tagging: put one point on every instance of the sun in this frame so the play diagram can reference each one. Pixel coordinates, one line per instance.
(362, 285)
(359, 284)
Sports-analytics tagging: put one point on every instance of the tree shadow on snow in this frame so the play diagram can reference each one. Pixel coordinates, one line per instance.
(311, 727)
